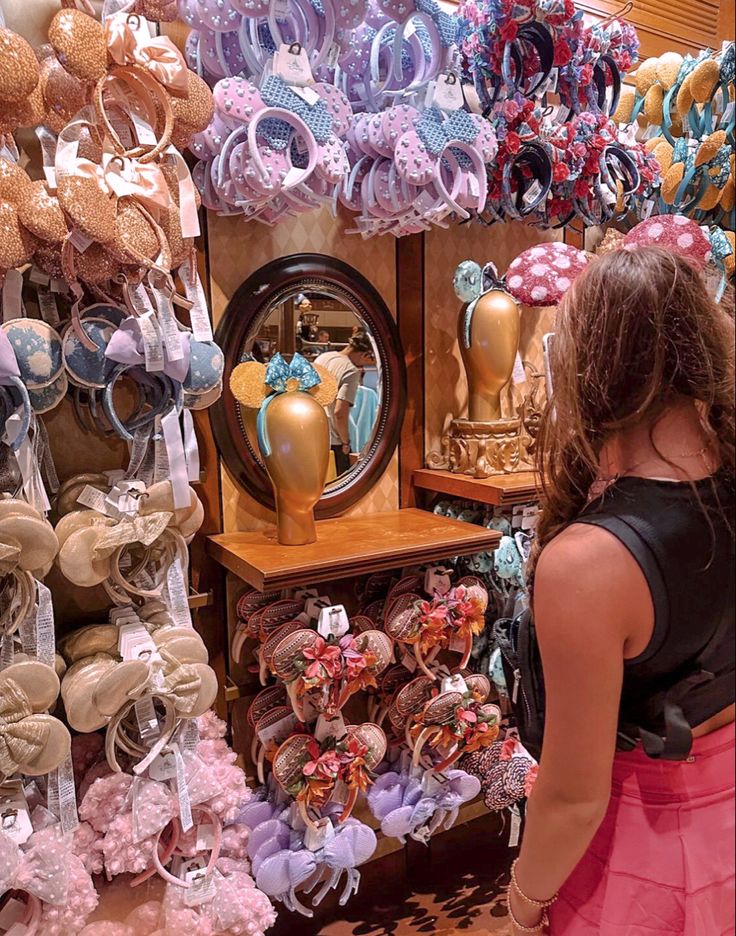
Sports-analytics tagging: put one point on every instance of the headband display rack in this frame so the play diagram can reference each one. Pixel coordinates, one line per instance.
(348, 546)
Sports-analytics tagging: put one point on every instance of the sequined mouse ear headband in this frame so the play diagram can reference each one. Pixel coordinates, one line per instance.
(253, 384)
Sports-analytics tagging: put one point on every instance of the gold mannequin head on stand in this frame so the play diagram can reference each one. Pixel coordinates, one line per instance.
(488, 332)
(293, 436)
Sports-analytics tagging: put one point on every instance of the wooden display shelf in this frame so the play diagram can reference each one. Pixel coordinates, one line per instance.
(348, 546)
(502, 490)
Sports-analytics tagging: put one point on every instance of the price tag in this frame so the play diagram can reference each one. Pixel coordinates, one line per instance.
(529, 518)
(437, 580)
(45, 636)
(309, 95)
(408, 660)
(38, 277)
(167, 323)
(199, 315)
(163, 768)
(135, 643)
(314, 606)
(202, 889)
(176, 595)
(647, 209)
(333, 55)
(319, 834)
(518, 375)
(330, 728)
(279, 730)
(454, 683)
(205, 837)
(431, 784)
(117, 614)
(448, 93)
(189, 737)
(291, 64)
(333, 622)
(62, 793)
(153, 350)
(532, 193)
(95, 499)
(182, 790)
(148, 725)
(515, 831)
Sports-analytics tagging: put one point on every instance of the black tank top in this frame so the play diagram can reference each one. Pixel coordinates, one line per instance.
(681, 535)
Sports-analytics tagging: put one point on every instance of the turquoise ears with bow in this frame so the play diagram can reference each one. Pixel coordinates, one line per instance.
(470, 282)
(255, 385)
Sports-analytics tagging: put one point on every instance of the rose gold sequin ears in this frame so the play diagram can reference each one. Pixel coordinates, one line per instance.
(79, 43)
(18, 67)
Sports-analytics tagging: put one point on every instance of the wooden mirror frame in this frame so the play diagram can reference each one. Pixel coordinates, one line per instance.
(265, 288)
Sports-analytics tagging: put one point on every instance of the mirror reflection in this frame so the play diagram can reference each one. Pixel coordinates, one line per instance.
(325, 329)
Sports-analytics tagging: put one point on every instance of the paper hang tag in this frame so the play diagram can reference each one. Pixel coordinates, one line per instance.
(304, 594)
(12, 291)
(177, 460)
(333, 622)
(182, 790)
(515, 831)
(167, 323)
(124, 497)
(97, 500)
(148, 726)
(15, 817)
(311, 97)
(529, 519)
(161, 456)
(205, 837)
(454, 683)
(45, 632)
(67, 795)
(431, 784)
(117, 615)
(201, 890)
(646, 209)
(408, 661)
(189, 735)
(448, 93)
(437, 580)
(48, 308)
(318, 835)
(279, 731)
(314, 606)
(163, 767)
(333, 55)
(175, 592)
(518, 375)
(330, 728)
(7, 651)
(33, 486)
(138, 449)
(198, 314)
(135, 643)
(191, 448)
(291, 64)
(153, 349)
(532, 193)
(457, 645)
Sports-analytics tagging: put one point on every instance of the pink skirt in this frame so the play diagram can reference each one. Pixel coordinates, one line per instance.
(662, 861)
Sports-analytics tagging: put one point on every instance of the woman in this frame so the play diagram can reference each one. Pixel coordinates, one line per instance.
(634, 579)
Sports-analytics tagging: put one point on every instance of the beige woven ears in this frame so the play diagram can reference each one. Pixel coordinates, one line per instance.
(31, 741)
(248, 385)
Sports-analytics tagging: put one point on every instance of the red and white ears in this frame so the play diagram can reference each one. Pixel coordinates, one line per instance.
(676, 233)
(541, 275)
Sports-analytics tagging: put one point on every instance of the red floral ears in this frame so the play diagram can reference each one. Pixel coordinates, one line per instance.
(541, 275)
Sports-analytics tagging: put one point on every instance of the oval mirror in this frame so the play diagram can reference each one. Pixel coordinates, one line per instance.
(332, 315)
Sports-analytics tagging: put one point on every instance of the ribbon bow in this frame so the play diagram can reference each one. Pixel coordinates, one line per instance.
(126, 347)
(157, 54)
(436, 133)
(276, 93)
(183, 684)
(22, 735)
(298, 375)
(41, 871)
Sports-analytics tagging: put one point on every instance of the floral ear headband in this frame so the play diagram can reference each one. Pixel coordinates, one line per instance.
(310, 771)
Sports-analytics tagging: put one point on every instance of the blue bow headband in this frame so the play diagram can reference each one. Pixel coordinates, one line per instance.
(284, 378)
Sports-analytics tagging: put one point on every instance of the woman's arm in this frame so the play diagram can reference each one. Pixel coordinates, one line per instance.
(590, 600)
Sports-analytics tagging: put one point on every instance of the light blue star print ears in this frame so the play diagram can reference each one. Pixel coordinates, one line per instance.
(467, 281)
(470, 282)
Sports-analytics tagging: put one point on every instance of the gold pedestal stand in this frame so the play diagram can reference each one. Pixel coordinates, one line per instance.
(480, 449)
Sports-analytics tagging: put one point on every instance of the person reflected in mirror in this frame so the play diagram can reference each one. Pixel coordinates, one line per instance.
(323, 341)
(346, 367)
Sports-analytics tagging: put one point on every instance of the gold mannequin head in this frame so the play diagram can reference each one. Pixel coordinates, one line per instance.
(294, 440)
(488, 332)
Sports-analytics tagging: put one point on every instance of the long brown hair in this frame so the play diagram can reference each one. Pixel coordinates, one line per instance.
(636, 330)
